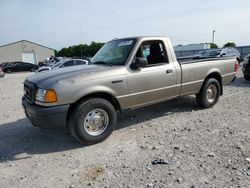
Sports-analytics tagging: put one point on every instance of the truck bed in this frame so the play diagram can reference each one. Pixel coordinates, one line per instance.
(195, 71)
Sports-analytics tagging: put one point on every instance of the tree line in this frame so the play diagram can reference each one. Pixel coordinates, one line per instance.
(85, 50)
(81, 50)
(228, 44)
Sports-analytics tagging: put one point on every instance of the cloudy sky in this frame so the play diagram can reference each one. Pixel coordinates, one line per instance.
(60, 23)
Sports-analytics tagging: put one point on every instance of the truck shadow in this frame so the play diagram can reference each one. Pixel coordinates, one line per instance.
(20, 140)
(20, 137)
(181, 104)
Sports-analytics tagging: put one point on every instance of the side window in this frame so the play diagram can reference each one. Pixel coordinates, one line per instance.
(19, 64)
(68, 63)
(154, 52)
(230, 51)
(80, 62)
(234, 51)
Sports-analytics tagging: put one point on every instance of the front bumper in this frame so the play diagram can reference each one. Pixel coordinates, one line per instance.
(46, 117)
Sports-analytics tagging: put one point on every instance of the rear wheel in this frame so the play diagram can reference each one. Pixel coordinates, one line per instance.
(93, 120)
(247, 77)
(209, 93)
(9, 71)
(32, 69)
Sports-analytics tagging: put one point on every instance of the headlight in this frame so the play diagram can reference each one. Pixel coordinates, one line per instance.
(46, 95)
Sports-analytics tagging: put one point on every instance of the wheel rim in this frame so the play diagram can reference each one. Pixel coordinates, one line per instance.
(96, 122)
(211, 93)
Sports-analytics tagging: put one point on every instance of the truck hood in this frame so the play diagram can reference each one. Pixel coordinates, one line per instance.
(85, 72)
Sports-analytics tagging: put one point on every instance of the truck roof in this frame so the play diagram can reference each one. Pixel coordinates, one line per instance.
(141, 37)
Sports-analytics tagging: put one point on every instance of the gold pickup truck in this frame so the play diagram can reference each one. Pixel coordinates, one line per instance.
(124, 74)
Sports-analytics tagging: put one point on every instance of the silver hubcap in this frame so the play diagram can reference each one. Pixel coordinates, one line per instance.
(211, 93)
(96, 122)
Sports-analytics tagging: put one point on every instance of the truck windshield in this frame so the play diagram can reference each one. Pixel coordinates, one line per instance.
(114, 52)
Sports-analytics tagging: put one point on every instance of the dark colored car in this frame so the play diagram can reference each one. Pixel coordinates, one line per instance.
(246, 67)
(214, 53)
(19, 66)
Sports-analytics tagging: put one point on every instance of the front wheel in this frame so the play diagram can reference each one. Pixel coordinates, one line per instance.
(93, 120)
(209, 93)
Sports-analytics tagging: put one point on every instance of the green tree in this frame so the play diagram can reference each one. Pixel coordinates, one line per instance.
(213, 45)
(93, 48)
(229, 44)
(65, 52)
(80, 50)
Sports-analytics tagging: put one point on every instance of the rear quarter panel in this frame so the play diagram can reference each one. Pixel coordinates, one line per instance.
(194, 74)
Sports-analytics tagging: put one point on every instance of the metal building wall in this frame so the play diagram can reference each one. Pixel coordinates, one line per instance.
(10, 53)
(40, 52)
(13, 52)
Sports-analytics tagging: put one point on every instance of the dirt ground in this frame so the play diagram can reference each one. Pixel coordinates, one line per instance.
(200, 148)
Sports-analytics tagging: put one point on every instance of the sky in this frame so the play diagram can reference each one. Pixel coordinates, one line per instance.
(61, 23)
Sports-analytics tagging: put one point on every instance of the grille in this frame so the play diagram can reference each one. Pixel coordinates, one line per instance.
(30, 91)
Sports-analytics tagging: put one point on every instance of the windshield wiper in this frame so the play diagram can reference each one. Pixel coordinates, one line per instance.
(102, 63)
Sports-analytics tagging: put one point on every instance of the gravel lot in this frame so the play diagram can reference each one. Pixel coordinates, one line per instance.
(201, 148)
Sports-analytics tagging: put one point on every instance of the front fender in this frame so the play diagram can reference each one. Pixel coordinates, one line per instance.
(94, 89)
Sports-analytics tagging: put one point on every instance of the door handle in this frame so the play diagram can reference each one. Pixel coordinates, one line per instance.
(169, 71)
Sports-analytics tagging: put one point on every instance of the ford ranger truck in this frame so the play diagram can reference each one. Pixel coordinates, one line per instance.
(125, 73)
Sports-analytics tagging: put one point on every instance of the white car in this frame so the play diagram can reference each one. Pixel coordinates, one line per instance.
(67, 63)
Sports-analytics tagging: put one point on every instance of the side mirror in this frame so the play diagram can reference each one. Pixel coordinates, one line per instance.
(223, 54)
(139, 62)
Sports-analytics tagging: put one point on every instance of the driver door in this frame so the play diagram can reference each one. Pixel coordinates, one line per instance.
(155, 82)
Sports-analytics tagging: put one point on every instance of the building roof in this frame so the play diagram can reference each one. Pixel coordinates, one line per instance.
(29, 42)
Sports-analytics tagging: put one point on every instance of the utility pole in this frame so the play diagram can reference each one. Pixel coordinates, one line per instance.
(81, 40)
(213, 37)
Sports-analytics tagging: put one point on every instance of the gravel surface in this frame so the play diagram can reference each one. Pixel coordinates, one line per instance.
(195, 147)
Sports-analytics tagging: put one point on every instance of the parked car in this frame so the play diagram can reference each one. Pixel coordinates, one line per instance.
(50, 61)
(224, 52)
(61, 64)
(246, 67)
(121, 76)
(19, 66)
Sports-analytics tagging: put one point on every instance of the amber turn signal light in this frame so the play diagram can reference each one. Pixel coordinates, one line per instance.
(50, 96)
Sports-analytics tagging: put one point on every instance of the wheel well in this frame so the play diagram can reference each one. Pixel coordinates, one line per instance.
(216, 76)
(102, 95)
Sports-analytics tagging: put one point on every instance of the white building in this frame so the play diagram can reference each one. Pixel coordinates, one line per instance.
(25, 51)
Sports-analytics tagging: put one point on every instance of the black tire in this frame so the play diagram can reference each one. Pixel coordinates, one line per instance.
(9, 71)
(247, 77)
(32, 69)
(211, 86)
(79, 124)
